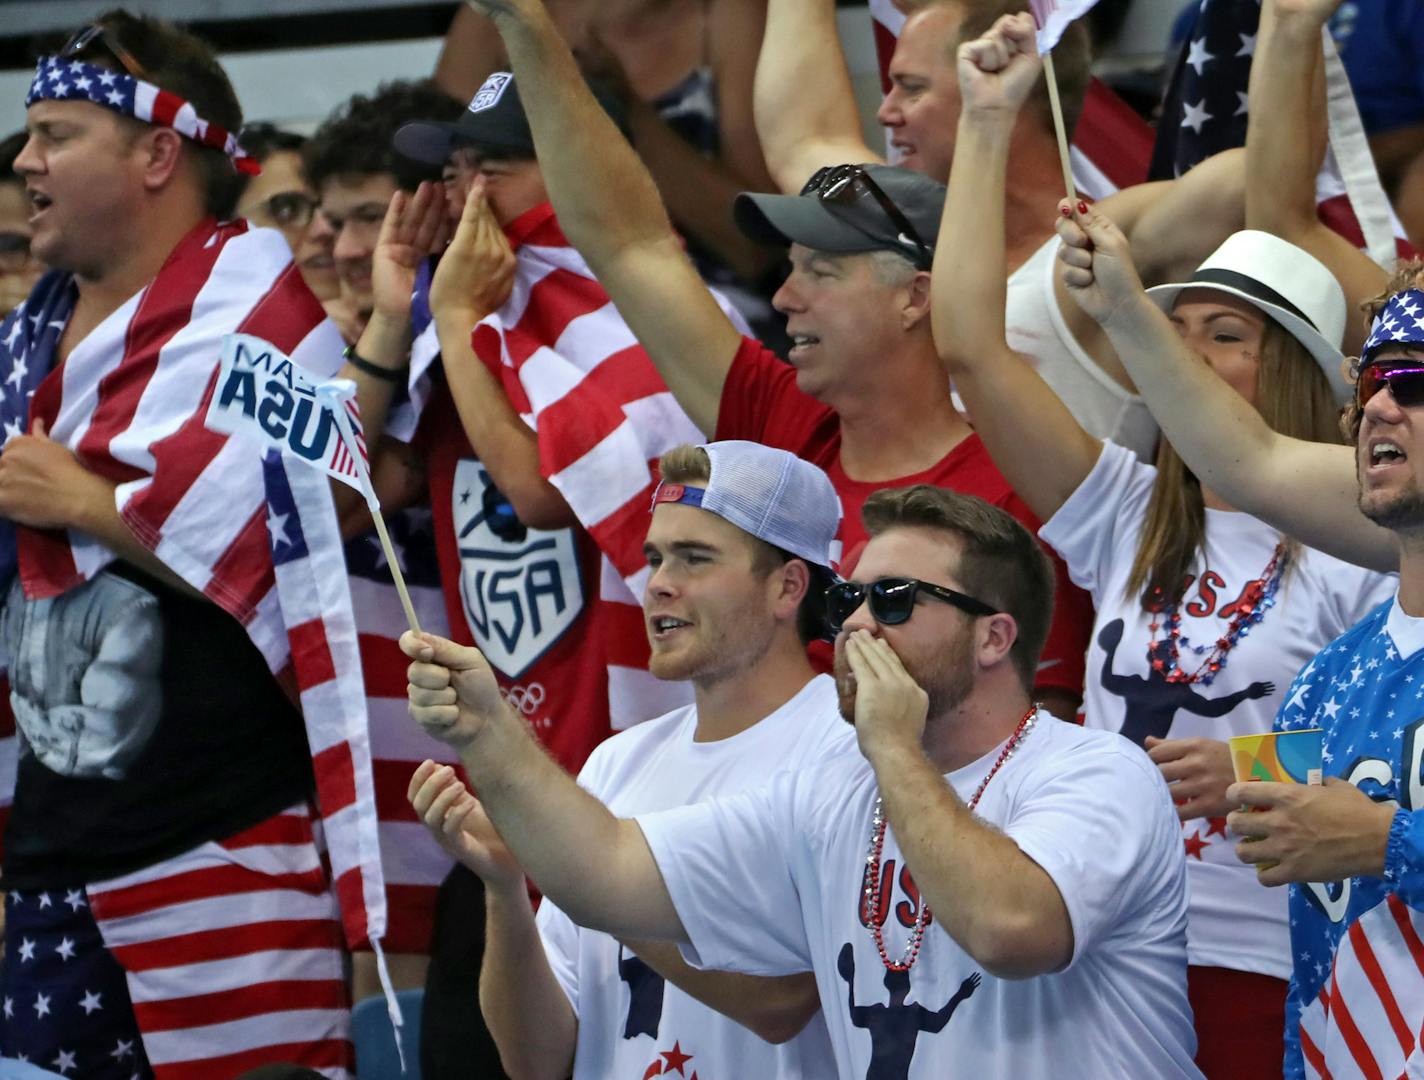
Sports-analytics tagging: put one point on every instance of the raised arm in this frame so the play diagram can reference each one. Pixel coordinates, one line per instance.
(805, 108)
(1303, 488)
(1285, 142)
(596, 867)
(608, 206)
(1037, 444)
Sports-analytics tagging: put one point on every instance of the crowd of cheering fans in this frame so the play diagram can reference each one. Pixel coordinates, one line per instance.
(841, 567)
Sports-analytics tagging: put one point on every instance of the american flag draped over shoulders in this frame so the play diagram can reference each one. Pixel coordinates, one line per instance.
(262, 543)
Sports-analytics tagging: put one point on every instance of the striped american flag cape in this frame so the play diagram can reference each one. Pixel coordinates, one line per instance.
(603, 416)
(258, 539)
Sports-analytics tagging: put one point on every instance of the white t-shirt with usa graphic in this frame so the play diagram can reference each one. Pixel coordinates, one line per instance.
(1356, 1001)
(1233, 921)
(771, 881)
(630, 1022)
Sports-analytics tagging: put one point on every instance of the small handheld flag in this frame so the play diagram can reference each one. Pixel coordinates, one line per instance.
(1052, 18)
(262, 394)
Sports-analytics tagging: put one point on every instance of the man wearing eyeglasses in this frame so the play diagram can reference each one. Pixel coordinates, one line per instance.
(737, 547)
(167, 904)
(974, 854)
(864, 396)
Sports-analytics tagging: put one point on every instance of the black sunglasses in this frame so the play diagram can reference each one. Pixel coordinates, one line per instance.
(1405, 381)
(95, 32)
(892, 600)
(846, 183)
(14, 251)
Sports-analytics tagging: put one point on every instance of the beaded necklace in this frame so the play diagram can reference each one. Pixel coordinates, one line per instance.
(877, 847)
(1257, 598)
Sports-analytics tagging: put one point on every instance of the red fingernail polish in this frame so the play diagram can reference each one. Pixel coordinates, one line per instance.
(1082, 207)
(1066, 211)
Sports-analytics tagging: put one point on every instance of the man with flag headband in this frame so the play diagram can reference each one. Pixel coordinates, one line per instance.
(170, 911)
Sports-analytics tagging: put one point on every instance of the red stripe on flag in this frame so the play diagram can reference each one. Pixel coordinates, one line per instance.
(411, 924)
(1113, 137)
(204, 946)
(324, 1054)
(884, 49)
(243, 573)
(1312, 1054)
(224, 1006)
(310, 654)
(279, 829)
(335, 777)
(1369, 964)
(392, 779)
(351, 895)
(1358, 1046)
(626, 634)
(1405, 924)
(204, 884)
(383, 665)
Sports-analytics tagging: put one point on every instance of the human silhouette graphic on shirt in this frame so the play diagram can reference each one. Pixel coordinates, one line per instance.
(645, 996)
(1152, 701)
(894, 1027)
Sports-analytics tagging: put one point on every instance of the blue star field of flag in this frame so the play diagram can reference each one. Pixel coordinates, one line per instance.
(77, 81)
(29, 337)
(64, 1004)
(1400, 322)
(1205, 109)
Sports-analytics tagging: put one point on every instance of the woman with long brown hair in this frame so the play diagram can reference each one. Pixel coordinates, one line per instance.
(1204, 614)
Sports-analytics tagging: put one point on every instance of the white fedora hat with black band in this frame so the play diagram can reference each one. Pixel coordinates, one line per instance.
(1289, 284)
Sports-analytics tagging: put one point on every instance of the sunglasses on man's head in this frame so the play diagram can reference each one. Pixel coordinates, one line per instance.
(1405, 379)
(102, 35)
(892, 600)
(846, 183)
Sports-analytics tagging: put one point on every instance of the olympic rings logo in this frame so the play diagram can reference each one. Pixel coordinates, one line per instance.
(526, 699)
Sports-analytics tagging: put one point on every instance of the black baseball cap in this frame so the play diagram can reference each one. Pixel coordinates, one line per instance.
(850, 225)
(494, 119)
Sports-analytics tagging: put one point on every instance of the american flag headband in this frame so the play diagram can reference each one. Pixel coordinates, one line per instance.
(1400, 322)
(74, 80)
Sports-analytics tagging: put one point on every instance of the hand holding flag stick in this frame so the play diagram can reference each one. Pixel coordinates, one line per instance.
(1052, 18)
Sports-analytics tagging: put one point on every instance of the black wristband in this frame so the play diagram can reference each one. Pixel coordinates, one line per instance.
(361, 364)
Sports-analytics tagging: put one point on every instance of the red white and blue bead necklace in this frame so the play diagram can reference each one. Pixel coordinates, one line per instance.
(1257, 598)
(877, 847)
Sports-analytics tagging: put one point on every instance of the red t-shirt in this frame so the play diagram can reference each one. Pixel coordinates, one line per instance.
(527, 597)
(762, 402)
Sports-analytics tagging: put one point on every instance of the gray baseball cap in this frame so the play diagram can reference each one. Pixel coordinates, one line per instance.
(769, 493)
(839, 211)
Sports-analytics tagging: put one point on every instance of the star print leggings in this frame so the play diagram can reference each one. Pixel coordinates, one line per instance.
(208, 964)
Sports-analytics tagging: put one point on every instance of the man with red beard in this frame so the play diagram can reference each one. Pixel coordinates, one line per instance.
(1057, 944)
(738, 546)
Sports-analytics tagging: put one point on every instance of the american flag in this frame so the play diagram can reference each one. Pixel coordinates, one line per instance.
(1053, 17)
(1206, 110)
(260, 542)
(1111, 144)
(348, 457)
(74, 80)
(578, 376)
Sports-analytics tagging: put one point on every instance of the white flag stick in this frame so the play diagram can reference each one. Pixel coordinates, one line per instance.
(1059, 128)
(334, 402)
